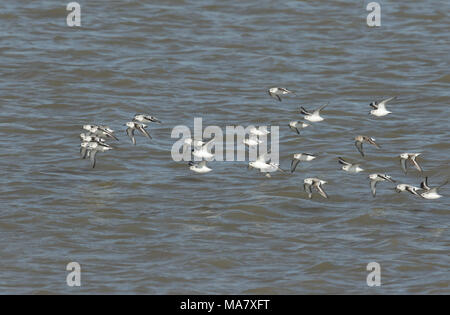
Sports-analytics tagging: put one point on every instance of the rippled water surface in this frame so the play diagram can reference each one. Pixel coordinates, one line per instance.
(141, 223)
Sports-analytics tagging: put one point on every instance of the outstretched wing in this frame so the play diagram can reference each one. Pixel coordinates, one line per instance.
(416, 165)
(343, 162)
(93, 159)
(404, 166)
(321, 191)
(294, 164)
(307, 188)
(304, 111)
(144, 132)
(359, 146)
(373, 187)
(424, 184)
(130, 133)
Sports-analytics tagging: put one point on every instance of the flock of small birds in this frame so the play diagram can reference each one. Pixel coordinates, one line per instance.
(94, 138)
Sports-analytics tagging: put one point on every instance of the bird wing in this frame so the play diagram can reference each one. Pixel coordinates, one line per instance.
(343, 162)
(416, 165)
(359, 146)
(93, 160)
(308, 189)
(304, 111)
(373, 187)
(144, 132)
(411, 190)
(321, 191)
(294, 164)
(404, 166)
(130, 133)
(424, 184)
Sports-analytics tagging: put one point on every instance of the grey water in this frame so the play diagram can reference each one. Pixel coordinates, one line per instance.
(141, 223)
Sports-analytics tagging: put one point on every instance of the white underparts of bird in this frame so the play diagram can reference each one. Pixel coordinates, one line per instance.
(276, 92)
(375, 178)
(132, 126)
(309, 183)
(404, 157)
(409, 188)
(202, 151)
(379, 108)
(200, 167)
(300, 157)
(259, 132)
(92, 148)
(142, 118)
(296, 125)
(262, 165)
(91, 138)
(431, 193)
(252, 141)
(101, 131)
(349, 167)
(359, 140)
(313, 116)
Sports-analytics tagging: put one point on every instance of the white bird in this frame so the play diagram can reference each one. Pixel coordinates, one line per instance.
(431, 193)
(92, 148)
(409, 188)
(375, 178)
(202, 151)
(349, 167)
(132, 126)
(296, 125)
(404, 157)
(142, 118)
(359, 140)
(379, 108)
(308, 183)
(263, 166)
(277, 91)
(300, 157)
(313, 116)
(200, 167)
(102, 131)
(259, 131)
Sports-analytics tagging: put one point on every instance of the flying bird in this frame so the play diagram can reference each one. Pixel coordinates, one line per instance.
(404, 157)
(375, 178)
(313, 116)
(379, 108)
(308, 183)
(359, 140)
(278, 91)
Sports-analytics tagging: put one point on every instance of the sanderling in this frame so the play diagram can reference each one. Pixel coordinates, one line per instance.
(199, 167)
(263, 166)
(252, 141)
(300, 157)
(261, 131)
(277, 91)
(202, 152)
(375, 178)
(312, 116)
(92, 148)
(379, 108)
(102, 131)
(431, 193)
(308, 183)
(409, 188)
(146, 118)
(132, 126)
(296, 125)
(404, 157)
(349, 167)
(359, 140)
